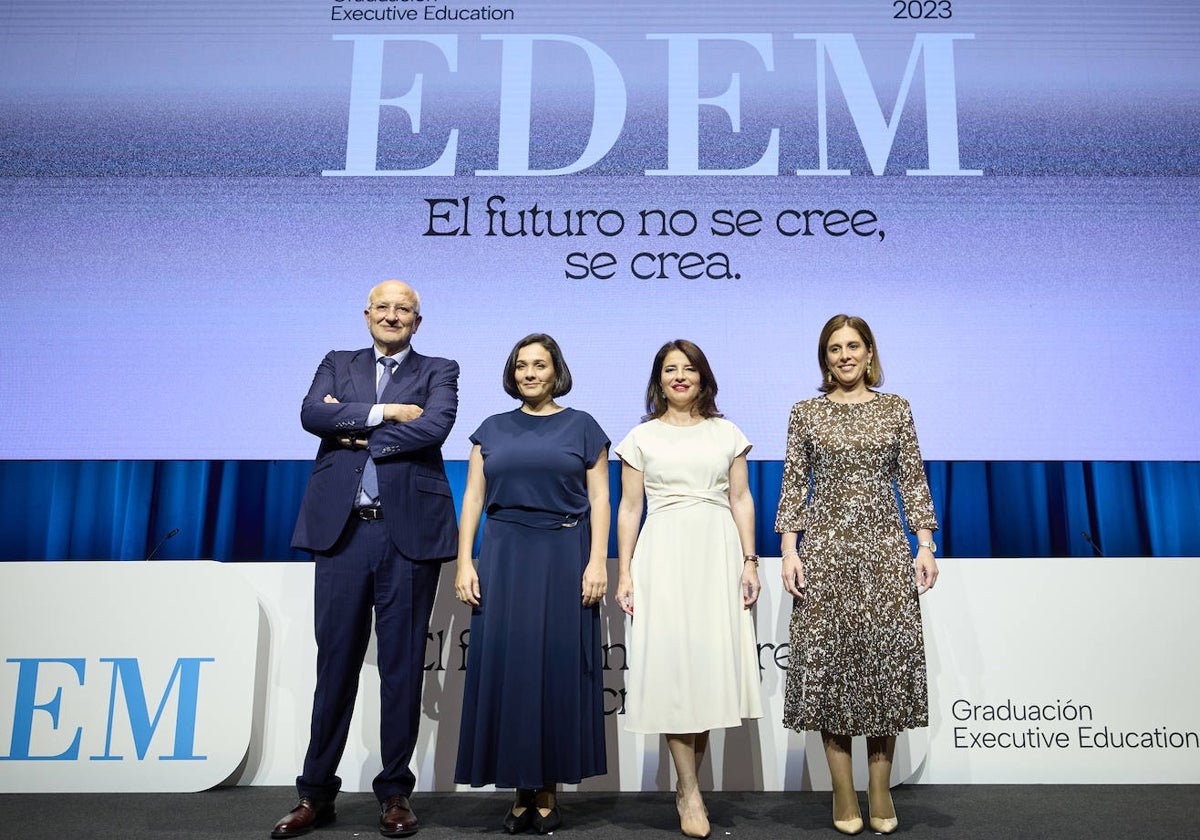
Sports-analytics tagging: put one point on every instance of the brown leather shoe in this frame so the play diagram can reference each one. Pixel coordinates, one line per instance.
(396, 818)
(308, 814)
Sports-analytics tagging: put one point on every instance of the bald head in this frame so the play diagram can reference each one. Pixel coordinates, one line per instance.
(393, 315)
(395, 287)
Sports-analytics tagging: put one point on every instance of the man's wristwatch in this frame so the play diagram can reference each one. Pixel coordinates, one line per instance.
(931, 545)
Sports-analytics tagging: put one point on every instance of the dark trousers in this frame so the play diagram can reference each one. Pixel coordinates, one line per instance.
(364, 572)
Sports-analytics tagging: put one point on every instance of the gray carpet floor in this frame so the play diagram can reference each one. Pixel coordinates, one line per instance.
(962, 812)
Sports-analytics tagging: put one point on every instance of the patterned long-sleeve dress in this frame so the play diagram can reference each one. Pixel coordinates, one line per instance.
(857, 661)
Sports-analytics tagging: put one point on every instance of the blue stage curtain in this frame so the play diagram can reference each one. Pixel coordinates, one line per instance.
(244, 510)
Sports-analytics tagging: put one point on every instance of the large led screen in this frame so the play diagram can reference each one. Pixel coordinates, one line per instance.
(196, 197)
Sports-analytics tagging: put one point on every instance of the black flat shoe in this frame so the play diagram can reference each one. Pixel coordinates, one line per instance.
(546, 824)
(514, 824)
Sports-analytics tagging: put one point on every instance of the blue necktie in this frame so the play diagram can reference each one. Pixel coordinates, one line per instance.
(370, 480)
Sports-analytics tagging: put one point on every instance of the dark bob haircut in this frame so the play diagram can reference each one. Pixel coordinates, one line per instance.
(874, 374)
(706, 400)
(562, 373)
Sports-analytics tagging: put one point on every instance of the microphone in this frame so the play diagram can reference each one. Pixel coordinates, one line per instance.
(1092, 543)
(170, 534)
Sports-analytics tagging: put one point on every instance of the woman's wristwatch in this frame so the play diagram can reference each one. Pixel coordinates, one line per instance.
(930, 544)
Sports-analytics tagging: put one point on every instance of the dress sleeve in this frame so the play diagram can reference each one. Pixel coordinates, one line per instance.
(630, 452)
(481, 436)
(914, 487)
(793, 495)
(594, 440)
(741, 443)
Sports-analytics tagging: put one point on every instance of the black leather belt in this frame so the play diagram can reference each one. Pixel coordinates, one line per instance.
(369, 513)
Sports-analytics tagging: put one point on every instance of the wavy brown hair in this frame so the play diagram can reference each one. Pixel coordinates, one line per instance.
(706, 400)
(874, 375)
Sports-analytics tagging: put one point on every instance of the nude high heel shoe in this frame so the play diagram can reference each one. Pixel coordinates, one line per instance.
(882, 825)
(697, 827)
(854, 825)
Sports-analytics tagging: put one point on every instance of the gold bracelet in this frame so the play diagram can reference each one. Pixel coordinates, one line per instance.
(751, 558)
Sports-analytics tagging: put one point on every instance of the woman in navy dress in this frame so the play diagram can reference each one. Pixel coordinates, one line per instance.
(532, 713)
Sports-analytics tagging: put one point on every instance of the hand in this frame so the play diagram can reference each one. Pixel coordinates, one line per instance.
(750, 585)
(401, 412)
(624, 594)
(466, 585)
(793, 575)
(926, 570)
(348, 441)
(595, 583)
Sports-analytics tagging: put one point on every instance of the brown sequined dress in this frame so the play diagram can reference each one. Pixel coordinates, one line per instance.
(857, 660)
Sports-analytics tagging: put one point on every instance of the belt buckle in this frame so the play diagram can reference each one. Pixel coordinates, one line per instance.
(369, 514)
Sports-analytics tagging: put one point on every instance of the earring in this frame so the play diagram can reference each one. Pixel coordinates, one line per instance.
(828, 377)
(868, 367)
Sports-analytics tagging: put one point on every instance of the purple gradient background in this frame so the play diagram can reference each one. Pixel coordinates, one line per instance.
(166, 236)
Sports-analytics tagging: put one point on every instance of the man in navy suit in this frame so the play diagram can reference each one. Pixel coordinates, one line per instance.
(379, 519)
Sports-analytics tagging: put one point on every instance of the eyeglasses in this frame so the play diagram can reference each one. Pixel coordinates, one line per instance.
(390, 308)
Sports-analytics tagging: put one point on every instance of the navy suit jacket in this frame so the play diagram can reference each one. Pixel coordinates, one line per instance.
(413, 489)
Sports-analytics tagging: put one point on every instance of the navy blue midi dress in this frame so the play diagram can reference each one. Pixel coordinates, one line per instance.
(533, 706)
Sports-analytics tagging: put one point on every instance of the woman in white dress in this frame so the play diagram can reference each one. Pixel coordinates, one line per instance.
(689, 578)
